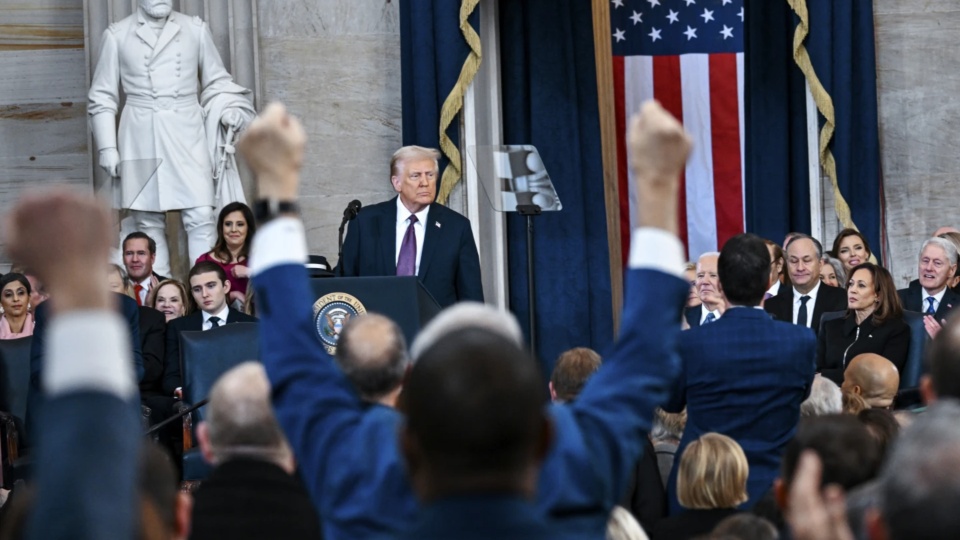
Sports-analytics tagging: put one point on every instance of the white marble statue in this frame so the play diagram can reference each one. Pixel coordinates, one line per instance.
(158, 56)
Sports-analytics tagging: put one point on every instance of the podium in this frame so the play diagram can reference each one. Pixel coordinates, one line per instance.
(402, 299)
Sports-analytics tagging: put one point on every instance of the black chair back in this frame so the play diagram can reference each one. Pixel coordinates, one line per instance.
(15, 355)
(913, 368)
(204, 356)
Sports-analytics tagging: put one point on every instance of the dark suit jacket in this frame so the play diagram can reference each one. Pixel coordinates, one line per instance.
(840, 342)
(829, 298)
(913, 296)
(693, 315)
(744, 376)
(153, 326)
(252, 498)
(449, 264)
(481, 517)
(690, 524)
(189, 323)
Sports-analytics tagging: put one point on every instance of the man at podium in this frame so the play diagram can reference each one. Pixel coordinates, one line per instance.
(410, 235)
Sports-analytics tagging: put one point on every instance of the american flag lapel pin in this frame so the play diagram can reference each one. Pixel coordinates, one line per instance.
(437, 223)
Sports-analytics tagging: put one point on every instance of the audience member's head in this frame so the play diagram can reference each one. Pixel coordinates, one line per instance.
(690, 274)
(882, 426)
(919, 485)
(239, 420)
(849, 453)
(874, 378)
(744, 266)
(776, 262)
(571, 372)
(372, 353)
(851, 248)
(139, 254)
(713, 473)
(824, 398)
(708, 281)
(14, 295)
(853, 403)
(942, 379)
(464, 315)
(38, 293)
(803, 262)
(170, 298)
(831, 272)
(623, 526)
(745, 526)
(871, 290)
(668, 427)
(944, 230)
(209, 287)
(937, 264)
(954, 238)
(163, 505)
(235, 230)
(117, 280)
(476, 420)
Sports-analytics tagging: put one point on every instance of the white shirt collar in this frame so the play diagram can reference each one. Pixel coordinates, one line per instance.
(774, 289)
(403, 214)
(223, 315)
(704, 311)
(812, 294)
(938, 296)
(146, 282)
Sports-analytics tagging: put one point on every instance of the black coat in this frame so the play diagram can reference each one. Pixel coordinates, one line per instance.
(913, 296)
(840, 342)
(153, 326)
(829, 298)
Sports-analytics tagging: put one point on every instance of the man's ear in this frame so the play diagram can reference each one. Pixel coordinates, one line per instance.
(781, 494)
(226, 287)
(553, 393)
(203, 437)
(857, 389)
(927, 392)
(396, 182)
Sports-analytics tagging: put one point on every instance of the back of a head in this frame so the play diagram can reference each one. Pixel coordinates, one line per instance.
(623, 526)
(943, 360)
(372, 353)
(919, 487)
(883, 427)
(572, 370)
(475, 409)
(849, 454)
(745, 526)
(240, 418)
(824, 398)
(668, 427)
(466, 315)
(713, 473)
(159, 486)
(876, 376)
(744, 268)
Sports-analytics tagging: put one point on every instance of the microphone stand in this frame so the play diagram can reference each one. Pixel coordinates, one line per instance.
(343, 223)
(176, 417)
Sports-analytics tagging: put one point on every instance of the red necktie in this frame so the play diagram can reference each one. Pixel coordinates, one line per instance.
(136, 291)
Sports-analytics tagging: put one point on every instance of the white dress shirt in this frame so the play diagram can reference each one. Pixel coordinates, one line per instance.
(796, 305)
(403, 217)
(936, 300)
(145, 289)
(774, 289)
(207, 325)
(704, 313)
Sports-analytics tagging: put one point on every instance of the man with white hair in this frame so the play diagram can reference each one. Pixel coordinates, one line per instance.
(712, 302)
(825, 398)
(929, 294)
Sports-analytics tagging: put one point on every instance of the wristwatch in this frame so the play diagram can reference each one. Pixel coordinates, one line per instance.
(266, 209)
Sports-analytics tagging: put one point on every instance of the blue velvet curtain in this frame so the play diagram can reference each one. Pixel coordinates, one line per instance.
(549, 92)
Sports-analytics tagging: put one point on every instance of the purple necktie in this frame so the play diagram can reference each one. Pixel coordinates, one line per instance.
(407, 261)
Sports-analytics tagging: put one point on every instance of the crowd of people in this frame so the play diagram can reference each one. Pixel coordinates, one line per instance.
(759, 393)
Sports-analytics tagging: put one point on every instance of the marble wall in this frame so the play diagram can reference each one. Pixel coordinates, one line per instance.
(918, 77)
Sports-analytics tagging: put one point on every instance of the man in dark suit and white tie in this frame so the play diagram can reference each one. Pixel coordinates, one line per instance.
(810, 298)
(210, 290)
(930, 294)
(409, 235)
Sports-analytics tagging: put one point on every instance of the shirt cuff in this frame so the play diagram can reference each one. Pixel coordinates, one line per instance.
(281, 241)
(89, 350)
(656, 249)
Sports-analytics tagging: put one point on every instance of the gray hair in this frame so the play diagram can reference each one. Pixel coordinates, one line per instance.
(825, 398)
(467, 315)
(947, 246)
(837, 268)
(800, 236)
(623, 526)
(411, 153)
(668, 426)
(372, 353)
(920, 490)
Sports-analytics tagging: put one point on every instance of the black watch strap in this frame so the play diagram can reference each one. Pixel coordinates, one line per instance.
(267, 209)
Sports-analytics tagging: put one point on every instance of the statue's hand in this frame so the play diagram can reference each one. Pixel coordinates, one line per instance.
(232, 118)
(110, 160)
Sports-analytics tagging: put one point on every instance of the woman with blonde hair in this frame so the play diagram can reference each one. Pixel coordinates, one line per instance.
(171, 298)
(711, 484)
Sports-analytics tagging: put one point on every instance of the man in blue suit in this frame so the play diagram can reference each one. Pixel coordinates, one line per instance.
(745, 375)
(409, 235)
(348, 453)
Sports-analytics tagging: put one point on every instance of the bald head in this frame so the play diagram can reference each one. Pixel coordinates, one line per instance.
(874, 378)
(372, 353)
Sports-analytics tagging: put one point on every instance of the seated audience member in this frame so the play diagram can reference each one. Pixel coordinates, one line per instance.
(665, 435)
(253, 491)
(372, 353)
(170, 298)
(235, 230)
(874, 378)
(89, 435)
(570, 373)
(852, 249)
(954, 238)
(883, 427)
(117, 281)
(209, 287)
(777, 276)
(824, 399)
(942, 379)
(853, 403)
(152, 328)
(690, 274)
(623, 526)
(358, 480)
(746, 374)
(16, 317)
(164, 509)
(712, 303)
(808, 298)
(743, 526)
(38, 293)
(711, 484)
(873, 324)
(930, 293)
(831, 272)
(139, 255)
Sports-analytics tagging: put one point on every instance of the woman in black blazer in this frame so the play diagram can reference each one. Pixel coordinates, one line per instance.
(873, 324)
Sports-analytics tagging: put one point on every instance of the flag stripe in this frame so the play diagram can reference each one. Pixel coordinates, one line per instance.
(701, 211)
(623, 183)
(638, 82)
(666, 83)
(743, 162)
(725, 127)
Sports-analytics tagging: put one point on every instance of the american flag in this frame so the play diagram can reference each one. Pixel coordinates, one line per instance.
(687, 54)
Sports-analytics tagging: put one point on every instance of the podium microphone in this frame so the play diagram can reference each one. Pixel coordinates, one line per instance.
(350, 212)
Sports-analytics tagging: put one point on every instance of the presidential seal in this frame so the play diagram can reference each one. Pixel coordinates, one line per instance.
(330, 313)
